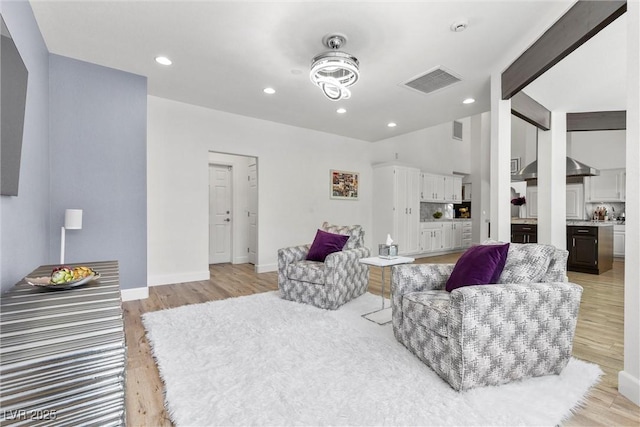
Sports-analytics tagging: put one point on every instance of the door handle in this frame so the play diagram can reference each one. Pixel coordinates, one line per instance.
(574, 242)
(227, 220)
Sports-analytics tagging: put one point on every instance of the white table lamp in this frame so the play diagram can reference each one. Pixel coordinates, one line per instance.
(72, 221)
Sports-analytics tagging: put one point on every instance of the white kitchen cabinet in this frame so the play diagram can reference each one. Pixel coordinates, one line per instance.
(431, 239)
(532, 202)
(574, 201)
(618, 240)
(451, 235)
(453, 189)
(432, 188)
(466, 192)
(440, 188)
(444, 236)
(396, 207)
(466, 234)
(447, 236)
(609, 186)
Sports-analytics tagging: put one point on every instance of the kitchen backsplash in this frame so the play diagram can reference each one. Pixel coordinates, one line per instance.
(614, 209)
(428, 209)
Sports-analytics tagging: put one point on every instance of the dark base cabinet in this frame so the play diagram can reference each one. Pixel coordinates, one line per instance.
(524, 233)
(590, 249)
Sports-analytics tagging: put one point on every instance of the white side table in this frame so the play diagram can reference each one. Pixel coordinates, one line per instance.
(382, 263)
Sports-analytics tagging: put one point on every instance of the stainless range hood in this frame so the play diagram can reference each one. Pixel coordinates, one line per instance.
(574, 169)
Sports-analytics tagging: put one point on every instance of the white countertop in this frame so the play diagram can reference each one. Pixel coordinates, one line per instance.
(575, 222)
(446, 219)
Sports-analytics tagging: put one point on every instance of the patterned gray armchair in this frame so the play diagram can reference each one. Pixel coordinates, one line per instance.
(329, 284)
(489, 334)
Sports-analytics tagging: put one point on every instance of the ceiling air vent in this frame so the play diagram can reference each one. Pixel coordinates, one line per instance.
(433, 80)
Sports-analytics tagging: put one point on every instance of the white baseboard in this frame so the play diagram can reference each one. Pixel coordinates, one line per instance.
(169, 279)
(134, 294)
(629, 386)
(266, 268)
(241, 260)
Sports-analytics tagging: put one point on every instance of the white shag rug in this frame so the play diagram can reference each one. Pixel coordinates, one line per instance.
(261, 360)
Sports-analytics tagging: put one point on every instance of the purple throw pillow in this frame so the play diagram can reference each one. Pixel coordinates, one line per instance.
(325, 244)
(479, 265)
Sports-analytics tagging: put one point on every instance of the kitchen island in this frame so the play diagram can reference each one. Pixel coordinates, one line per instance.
(590, 243)
(590, 247)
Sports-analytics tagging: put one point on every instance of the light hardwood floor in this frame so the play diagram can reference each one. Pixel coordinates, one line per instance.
(599, 337)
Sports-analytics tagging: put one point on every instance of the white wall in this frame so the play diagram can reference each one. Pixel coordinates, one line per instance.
(432, 149)
(601, 150)
(293, 179)
(523, 141)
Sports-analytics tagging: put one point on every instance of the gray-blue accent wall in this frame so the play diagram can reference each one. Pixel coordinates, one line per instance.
(24, 220)
(84, 146)
(98, 134)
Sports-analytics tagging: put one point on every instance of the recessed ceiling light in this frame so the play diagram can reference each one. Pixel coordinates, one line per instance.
(163, 60)
(341, 110)
(269, 90)
(469, 101)
(392, 125)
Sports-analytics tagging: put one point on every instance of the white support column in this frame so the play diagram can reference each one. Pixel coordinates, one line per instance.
(481, 175)
(552, 182)
(500, 162)
(485, 176)
(629, 378)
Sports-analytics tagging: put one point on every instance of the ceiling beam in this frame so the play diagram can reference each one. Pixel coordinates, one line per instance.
(584, 20)
(529, 110)
(597, 120)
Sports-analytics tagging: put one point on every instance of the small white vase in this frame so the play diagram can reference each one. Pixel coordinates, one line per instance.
(523, 211)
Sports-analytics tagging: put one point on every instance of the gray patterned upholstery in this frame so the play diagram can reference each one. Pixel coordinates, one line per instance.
(490, 334)
(329, 284)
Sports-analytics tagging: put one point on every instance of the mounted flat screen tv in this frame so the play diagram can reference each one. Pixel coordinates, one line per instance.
(13, 90)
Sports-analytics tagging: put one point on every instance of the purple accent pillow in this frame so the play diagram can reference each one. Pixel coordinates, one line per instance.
(479, 265)
(325, 244)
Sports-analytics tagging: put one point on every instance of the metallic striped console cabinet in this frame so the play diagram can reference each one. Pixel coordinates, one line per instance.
(62, 353)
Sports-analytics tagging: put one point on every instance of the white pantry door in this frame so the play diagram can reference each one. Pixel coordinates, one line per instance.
(253, 212)
(219, 214)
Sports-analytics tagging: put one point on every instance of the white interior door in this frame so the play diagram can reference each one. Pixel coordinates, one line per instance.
(253, 212)
(220, 217)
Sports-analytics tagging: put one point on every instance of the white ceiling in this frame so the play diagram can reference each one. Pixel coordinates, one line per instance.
(225, 52)
(592, 78)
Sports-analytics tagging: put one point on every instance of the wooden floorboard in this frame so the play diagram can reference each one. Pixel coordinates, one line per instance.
(599, 337)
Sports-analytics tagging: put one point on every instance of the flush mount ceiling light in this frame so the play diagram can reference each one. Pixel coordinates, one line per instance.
(334, 71)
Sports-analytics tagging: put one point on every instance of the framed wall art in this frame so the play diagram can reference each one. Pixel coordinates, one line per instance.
(344, 185)
(515, 165)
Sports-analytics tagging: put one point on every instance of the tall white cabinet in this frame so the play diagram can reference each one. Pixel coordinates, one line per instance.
(396, 206)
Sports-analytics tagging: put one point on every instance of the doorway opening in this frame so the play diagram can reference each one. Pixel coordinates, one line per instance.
(233, 209)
